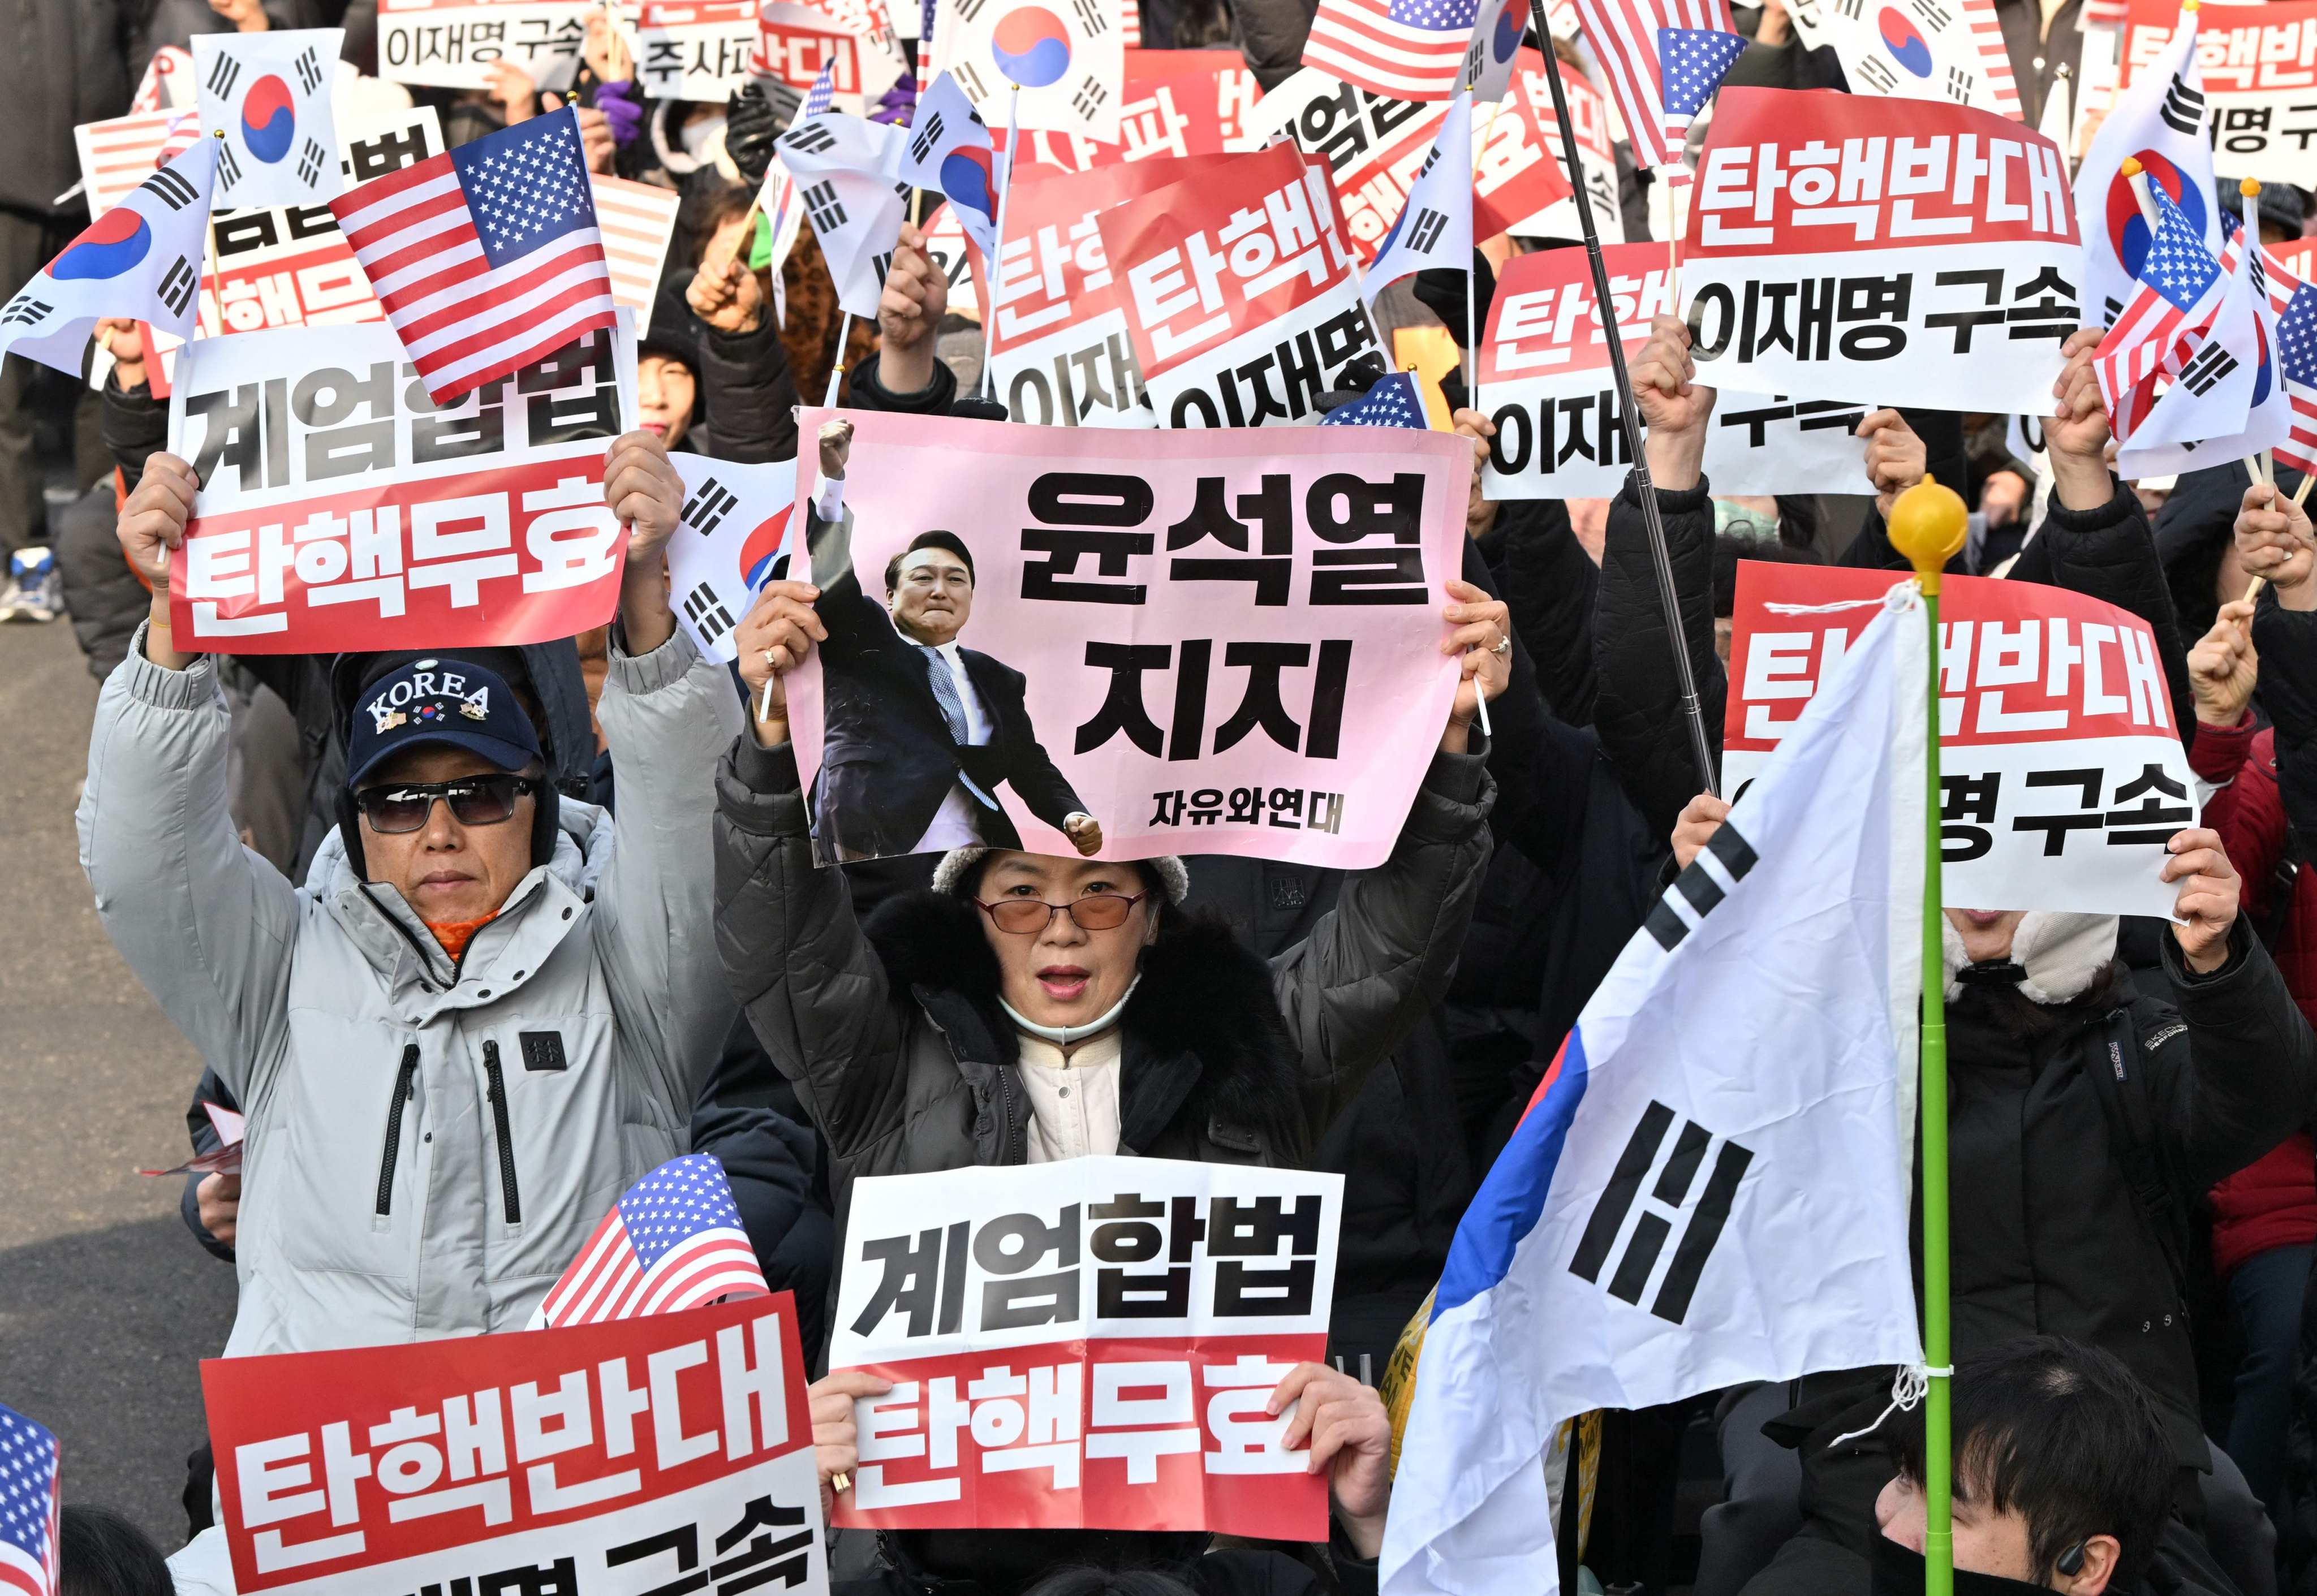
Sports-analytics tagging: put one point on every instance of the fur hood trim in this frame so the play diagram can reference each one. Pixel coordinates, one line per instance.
(1201, 994)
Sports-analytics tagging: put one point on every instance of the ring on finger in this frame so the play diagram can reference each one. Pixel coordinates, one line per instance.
(1503, 646)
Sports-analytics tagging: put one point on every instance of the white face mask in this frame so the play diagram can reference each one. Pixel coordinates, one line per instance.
(2062, 954)
(695, 135)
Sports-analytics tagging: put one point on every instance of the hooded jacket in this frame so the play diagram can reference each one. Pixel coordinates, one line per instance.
(429, 1143)
(894, 1039)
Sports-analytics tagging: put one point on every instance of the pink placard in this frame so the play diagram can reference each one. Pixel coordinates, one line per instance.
(1210, 641)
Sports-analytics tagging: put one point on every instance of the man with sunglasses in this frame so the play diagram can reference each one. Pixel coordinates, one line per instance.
(485, 1014)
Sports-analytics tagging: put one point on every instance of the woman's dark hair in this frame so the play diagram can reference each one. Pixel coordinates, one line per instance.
(1728, 549)
(711, 199)
(2062, 1434)
(102, 1553)
(1089, 1581)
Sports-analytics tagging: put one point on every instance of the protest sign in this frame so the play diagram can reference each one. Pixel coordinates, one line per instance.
(696, 50)
(168, 80)
(1917, 50)
(225, 1158)
(341, 508)
(1954, 229)
(2061, 774)
(648, 1453)
(451, 44)
(2259, 66)
(636, 219)
(288, 266)
(869, 21)
(793, 42)
(731, 539)
(1545, 378)
(1189, 696)
(1025, 65)
(1376, 146)
(1033, 1390)
(1240, 291)
(1597, 152)
(1176, 102)
(1057, 345)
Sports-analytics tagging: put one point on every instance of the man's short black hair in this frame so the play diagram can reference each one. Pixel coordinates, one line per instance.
(100, 1553)
(949, 540)
(2064, 1435)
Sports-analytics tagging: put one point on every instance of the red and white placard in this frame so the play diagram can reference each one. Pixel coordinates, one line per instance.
(1840, 247)
(2062, 775)
(1085, 1344)
(341, 509)
(618, 1457)
(2258, 63)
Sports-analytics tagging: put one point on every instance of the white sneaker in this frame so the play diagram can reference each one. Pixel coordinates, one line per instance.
(11, 599)
(35, 589)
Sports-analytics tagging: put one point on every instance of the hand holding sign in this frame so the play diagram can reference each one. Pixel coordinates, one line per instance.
(1484, 637)
(2207, 904)
(774, 638)
(1673, 404)
(835, 1437)
(1896, 459)
(152, 524)
(1350, 1434)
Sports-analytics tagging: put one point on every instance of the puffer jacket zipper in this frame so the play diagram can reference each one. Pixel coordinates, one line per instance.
(498, 1085)
(404, 1091)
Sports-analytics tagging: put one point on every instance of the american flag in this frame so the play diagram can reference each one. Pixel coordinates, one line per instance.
(1129, 24)
(823, 93)
(2180, 293)
(1624, 34)
(118, 153)
(1406, 50)
(2296, 359)
(636, 220)
(1392, 402)
(28, 1506)
(1693, 60)
(674, 1242)
(488, 257)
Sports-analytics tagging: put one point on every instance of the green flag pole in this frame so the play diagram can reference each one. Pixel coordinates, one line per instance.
(1928, 525)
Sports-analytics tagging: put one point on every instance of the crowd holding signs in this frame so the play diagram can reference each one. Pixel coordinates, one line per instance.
(415, 398)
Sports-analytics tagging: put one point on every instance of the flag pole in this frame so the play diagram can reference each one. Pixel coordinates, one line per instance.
(1631, 419)
(997, 238)
(1928, 525)
(1471, 321)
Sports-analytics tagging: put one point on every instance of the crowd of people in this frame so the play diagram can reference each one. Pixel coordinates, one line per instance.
(362, 899)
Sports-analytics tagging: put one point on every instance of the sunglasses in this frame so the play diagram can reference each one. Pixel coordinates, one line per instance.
(474, 801)
(1027, 916)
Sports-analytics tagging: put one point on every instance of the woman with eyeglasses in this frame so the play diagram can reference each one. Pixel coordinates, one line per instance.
(1033, 1007)
(485, 1014)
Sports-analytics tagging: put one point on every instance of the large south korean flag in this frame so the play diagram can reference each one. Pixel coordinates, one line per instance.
(1058, 66)
(265, 102)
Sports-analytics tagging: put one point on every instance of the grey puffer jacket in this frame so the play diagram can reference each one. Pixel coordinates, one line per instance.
(894, 1039)
(429, 1143)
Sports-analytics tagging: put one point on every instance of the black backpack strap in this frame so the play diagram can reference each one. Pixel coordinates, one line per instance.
(2118, 1075)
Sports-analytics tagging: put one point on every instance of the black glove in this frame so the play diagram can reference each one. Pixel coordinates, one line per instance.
(750, 125)
(1442, 292)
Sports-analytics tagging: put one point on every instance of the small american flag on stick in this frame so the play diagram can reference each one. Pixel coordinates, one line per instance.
(121, 152)
(674, 1242)
(1624, 33)
(487, 258)
(1404, 50)
(28, 1506)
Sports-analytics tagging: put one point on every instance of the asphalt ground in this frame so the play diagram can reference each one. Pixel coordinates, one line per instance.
(106, 1303)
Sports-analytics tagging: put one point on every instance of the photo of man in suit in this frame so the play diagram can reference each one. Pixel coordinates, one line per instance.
(919, 732)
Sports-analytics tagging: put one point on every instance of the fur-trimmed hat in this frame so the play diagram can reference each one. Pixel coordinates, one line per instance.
(956, 869)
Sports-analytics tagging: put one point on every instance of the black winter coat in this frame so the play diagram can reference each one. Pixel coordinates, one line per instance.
(66, 62)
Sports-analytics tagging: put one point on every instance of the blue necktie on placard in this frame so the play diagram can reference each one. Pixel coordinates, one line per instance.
(953, 709)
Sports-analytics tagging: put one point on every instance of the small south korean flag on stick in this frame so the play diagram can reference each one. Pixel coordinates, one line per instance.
(269, 94)
(141, 259)
(1058, 66)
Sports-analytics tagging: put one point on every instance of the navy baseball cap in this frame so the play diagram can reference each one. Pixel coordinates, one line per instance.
(445, 702)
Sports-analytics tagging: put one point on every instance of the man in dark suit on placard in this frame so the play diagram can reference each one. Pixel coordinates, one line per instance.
(919, 733)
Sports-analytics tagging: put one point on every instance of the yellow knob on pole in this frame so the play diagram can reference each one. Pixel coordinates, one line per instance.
(1928, 524)
(2248, 188)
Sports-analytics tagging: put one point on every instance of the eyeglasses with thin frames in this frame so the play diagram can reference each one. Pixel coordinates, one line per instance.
(1027, 916)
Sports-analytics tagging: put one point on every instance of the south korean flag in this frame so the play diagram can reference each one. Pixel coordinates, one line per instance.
(1057, 66)
(141, 259)
(846, 173)
(267, 98)
(948, 150)
(1434, 228)
(730, 539)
